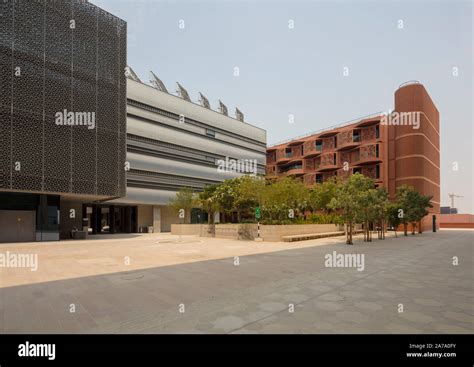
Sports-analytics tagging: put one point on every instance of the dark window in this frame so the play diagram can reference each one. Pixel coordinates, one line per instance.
(356, 136)
(377, 131)
(335, 141)
(377, 171)
(377, 150)
(211, 133)
(319, 145)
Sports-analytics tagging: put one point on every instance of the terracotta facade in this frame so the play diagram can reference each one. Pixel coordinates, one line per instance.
(395, 149)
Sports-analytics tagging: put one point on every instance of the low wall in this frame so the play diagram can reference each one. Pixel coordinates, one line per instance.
(456, 221)
(248, 231)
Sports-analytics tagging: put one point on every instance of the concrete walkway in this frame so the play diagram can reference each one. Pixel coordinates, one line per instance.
(194, 285)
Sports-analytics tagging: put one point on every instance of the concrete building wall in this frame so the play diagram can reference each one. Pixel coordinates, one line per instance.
(173, 143)
(145, 216)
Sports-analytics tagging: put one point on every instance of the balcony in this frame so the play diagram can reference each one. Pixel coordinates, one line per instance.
(285, 155)
(328, 162)
(329, 143)
(368, 154)
(348, 139)
(312, 148)
(294, 169)
(309, 164)
(372, 171)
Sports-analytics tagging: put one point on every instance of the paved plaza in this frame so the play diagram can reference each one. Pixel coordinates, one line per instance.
(170, 284)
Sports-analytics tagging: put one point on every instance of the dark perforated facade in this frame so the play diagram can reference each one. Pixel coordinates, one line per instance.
(57, 56)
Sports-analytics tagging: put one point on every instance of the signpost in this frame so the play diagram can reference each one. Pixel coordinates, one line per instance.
(257, 216)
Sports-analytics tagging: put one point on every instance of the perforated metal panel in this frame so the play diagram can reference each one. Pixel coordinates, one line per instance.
(56, 56)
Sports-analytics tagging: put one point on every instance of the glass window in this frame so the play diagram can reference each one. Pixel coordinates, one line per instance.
(210, 132)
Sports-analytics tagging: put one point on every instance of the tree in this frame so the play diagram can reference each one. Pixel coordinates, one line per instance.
(208, 202)
(226, 195)
(392, 215)
(185, 200)
(283, 198)
(403, 199)
(249, 191)
(350, 197)
(368, 203)
(412, 207)
(320, 195)
(420, 208)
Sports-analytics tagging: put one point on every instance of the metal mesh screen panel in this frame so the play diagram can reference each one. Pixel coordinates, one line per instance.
(62, 56)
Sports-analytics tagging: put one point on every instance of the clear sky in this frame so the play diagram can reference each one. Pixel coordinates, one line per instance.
(299, 71)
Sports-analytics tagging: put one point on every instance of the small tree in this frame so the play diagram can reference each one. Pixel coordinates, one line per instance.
(185, 199)
(392, 215)
(367, 199)
(320, 195)
(420, 210)
(286, 195)
(413, 207)
(404, 203)
(249, 191)
(349, 199)
(208, 202)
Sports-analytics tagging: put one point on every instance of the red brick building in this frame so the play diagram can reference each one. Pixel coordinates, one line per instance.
(396, 148)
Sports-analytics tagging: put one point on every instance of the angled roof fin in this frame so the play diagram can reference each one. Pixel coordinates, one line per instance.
(223, 108)
(239, 114)
(130, 74)
(157, 83)
(183, 93)
(204, 101)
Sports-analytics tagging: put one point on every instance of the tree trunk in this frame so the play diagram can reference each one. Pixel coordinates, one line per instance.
(350, 234)
(405, 229)
(349, 242)
(419, 227)
(413, 225)
(347, 233)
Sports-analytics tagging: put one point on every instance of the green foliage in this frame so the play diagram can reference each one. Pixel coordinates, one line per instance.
(289, 201)
(185, 199)
(412, 206)
(325, 218)
(282, 197)
(320, 195)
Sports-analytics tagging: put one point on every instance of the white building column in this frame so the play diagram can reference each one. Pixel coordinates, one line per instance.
(156, 219)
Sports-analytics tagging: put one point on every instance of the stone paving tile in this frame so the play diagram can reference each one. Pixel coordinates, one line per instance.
(253, 297)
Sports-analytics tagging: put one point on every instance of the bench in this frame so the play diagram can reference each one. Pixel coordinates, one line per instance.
(313, 236)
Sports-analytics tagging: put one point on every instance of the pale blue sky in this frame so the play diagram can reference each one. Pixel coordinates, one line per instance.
(300, 71)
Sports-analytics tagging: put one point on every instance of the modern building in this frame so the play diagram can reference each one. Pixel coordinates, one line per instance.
(62, 117)
(394, 148)
(173, 142)
(84, 148)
